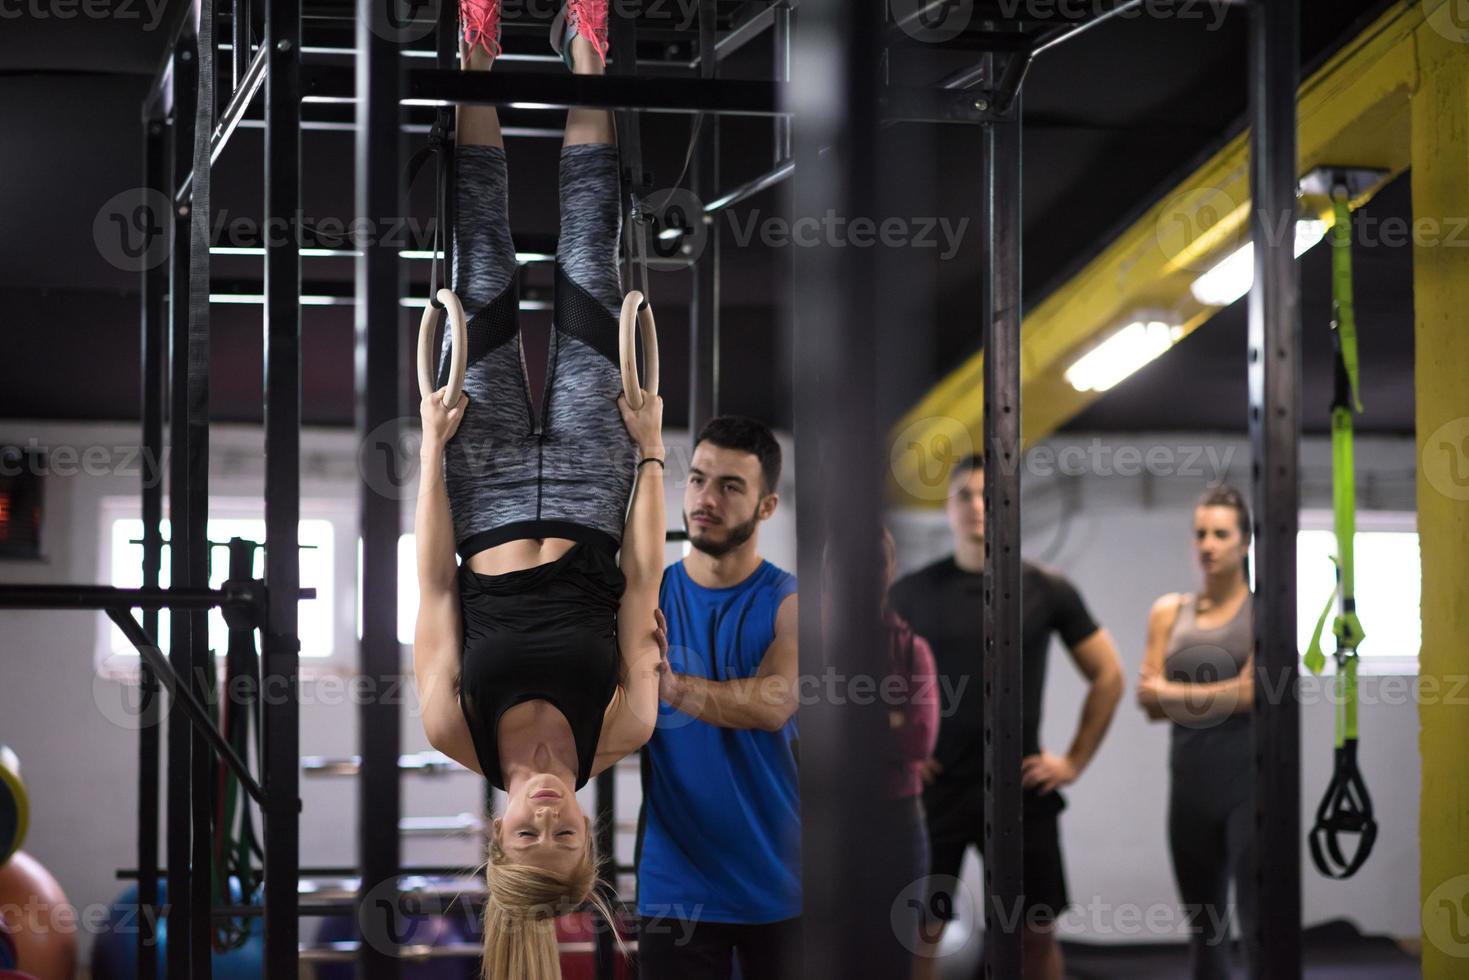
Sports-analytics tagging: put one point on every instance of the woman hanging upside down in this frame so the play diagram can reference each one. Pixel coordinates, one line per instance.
(537, 657)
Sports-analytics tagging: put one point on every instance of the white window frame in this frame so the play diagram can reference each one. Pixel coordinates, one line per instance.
(113, 509)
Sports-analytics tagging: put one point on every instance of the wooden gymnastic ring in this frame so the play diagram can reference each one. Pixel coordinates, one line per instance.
(637, 316)
(458, 347)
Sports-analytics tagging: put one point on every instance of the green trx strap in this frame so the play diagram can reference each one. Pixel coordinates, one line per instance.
(1346, 808)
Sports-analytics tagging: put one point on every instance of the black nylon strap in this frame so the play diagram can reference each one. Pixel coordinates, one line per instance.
(440, 146)
(199, 934)
(1346, 808)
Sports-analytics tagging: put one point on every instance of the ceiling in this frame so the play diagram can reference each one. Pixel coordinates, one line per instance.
(1114, 117)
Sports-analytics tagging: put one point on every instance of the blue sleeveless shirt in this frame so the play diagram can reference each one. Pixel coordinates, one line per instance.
(721, 840)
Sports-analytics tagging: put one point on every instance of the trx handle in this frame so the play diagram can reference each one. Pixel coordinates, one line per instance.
(1346, 807)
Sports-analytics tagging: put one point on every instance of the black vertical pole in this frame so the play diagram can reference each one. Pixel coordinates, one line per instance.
(850, 868)
(607, 851)
(196, 544)
(704, 306)
(157, 177)
(281, 645)
(180, 735)
(239, 41)
(379, 380)
(1274, 371)
(1003, 682)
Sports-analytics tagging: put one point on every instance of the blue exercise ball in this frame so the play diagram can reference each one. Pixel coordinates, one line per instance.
(115, 950)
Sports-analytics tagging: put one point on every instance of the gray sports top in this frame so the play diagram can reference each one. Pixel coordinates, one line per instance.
(1206, 655)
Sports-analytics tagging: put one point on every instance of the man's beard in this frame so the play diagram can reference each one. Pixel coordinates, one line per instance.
(737, 535)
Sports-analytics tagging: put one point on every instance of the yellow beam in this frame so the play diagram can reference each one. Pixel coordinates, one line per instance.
(1440, 185)
(1354, 112)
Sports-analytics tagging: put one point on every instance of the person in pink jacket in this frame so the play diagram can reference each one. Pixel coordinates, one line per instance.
(913, 719)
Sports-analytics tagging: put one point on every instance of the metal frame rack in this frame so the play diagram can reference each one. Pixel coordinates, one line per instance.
(834, 61)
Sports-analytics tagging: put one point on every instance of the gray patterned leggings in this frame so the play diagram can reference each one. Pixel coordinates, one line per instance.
(567, 472)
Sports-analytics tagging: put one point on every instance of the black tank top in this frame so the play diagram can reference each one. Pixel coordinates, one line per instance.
(544, 633)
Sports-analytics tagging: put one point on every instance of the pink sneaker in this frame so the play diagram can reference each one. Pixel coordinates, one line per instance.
(481, 19)
(585, 17)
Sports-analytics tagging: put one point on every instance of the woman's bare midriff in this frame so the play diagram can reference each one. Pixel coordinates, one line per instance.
(517, 556)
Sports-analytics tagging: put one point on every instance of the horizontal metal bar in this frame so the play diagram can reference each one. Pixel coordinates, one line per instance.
(721, 96)
(346, 952)
(409, 255)
(230, 119)
(451, 881)
(781, 172)
(464, 825)
(415, 129)
(505, 57)
(106, 597)
(935, 106)
(197, 714)
(528, 90)
(311, 874)
(423, 763)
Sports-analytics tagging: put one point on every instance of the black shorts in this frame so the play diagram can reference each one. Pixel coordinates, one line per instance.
(952, 830)
(682, 949)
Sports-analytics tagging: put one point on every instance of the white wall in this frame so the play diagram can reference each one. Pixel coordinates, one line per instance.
(81, 768)
(1124, 540)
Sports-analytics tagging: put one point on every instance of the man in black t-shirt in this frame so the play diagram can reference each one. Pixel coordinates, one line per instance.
(944, 603)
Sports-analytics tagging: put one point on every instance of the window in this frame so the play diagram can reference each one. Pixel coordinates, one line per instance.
(1388, 586)
(407, 588)
(315, 626)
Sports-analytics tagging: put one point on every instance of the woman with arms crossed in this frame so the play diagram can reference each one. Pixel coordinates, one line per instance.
(1198, 672)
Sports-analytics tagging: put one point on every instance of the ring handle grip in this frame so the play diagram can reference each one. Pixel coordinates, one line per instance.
(458, 347)
(637, 317)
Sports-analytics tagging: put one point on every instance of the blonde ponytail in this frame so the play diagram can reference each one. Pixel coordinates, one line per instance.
(520, 914)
